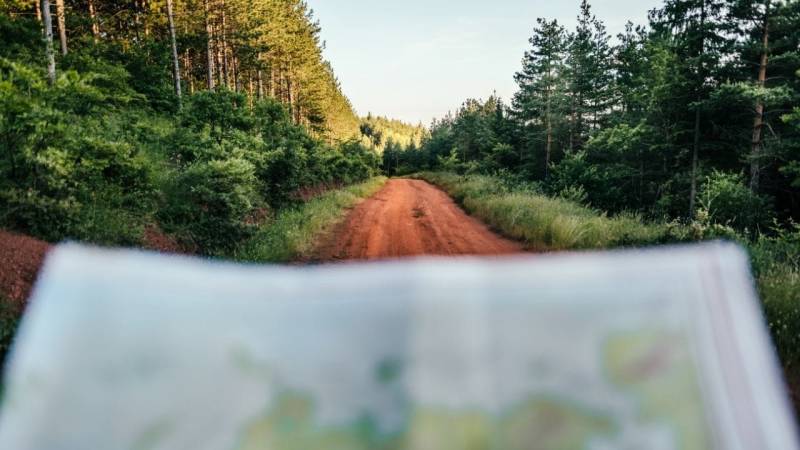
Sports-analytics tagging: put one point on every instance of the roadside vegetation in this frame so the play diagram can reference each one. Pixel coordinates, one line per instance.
(223, 130)
(550, 223)
(156, 126)
(296, 231)
(683, 129)
(110, 150)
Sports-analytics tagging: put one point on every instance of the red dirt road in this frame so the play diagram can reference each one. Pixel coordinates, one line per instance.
(410, 218)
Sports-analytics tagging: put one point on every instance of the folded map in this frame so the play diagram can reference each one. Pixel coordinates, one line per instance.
(658, 349)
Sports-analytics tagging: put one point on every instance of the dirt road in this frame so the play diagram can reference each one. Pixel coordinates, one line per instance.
(410, 218)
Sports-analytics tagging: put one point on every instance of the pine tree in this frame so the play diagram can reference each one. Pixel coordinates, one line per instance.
(698, 31)
(62, 25)
(93, 17)
(176, 68)
(540, 99)
(47, 21)
(755, 17)
(630, 63)
(209, 46)
(590, 75)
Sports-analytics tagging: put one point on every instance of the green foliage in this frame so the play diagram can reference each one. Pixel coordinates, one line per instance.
(542, 222)
(295, 231)
(219, 112)
(53, 168)
(210, 202)
(776, 261)
(381, 132)
(104, 152)
(548, 223)
(286, 158)
(18, 38)
(623, 123)
(617, 170)
(726, 200)
(210, 206)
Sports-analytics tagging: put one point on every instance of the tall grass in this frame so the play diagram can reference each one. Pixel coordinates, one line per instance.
(294, 232)
(542, 222)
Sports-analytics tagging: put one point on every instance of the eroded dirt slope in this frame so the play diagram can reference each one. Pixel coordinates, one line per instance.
(20, 260)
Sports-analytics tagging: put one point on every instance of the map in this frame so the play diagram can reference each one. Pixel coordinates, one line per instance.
(662, 349)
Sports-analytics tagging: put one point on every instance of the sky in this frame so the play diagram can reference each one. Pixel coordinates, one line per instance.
(415, 60)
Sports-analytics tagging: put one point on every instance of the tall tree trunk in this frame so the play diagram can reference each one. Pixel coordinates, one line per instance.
(221, 76)
(272, 80)
(579, 120)
(47, 21)
(137, 18)
(145, 22)
(572, 122)
(225, 67)
(290, 96)
(187, 64)
(260, 85)
(62, 25)
(95, 24)
(695, 163)
(250, 93)
(697, 115)
(235, 73)
(298, 107)
(549, 141)
(758, 121)
(548, 145)
(176, 67)
(188, 69)
(209, 47)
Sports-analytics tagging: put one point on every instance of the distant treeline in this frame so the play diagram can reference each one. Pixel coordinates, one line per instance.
(383, 133)
(696, 113)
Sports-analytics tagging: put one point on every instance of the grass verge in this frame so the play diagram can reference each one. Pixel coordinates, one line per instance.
(550, 224)
(544, 223)
(294, 232)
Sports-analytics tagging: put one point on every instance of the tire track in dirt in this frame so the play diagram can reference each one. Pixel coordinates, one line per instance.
(410, 218)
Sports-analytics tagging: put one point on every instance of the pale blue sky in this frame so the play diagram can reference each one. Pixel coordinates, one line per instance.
(417, 59)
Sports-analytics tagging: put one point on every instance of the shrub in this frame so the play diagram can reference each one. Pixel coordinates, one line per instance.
(20, 38)
(283, 171)
(728, 201)
(209, 204)
(296, 230)
(220, 112)
(611, 169)
(54, 163)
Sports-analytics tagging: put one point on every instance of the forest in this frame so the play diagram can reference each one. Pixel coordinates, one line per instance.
(693, 113)
(198, 119)
(217, 128)
(683, 129)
